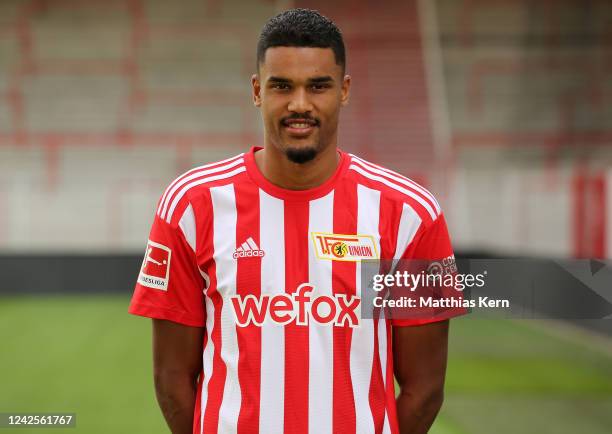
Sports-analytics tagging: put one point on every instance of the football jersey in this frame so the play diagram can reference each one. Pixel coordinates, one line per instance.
(273, 275)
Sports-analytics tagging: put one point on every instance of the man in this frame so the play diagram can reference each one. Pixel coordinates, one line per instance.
(252, 271)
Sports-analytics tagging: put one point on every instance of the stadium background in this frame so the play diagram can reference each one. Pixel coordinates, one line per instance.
(502, 108)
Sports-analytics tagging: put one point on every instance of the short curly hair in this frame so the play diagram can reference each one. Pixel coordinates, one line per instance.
(301, 28)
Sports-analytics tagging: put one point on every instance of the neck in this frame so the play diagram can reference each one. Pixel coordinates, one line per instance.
(279, 170)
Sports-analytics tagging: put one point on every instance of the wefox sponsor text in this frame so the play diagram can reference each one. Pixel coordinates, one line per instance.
(338, 310)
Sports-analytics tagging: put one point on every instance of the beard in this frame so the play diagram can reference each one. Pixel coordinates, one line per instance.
(304, 153)
(301, 155)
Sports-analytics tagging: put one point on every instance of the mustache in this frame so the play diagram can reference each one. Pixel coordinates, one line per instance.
(301, 116)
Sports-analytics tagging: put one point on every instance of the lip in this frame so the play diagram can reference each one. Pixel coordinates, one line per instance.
(300, 132)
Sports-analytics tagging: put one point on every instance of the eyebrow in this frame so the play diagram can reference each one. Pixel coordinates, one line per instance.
(322, 79)
(279, 80)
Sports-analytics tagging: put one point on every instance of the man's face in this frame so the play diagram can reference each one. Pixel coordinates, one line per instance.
(300, 91)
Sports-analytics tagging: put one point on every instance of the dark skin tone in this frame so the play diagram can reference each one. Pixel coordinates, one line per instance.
(299, 83)
(177, 362)
(300, 92)
(419, 363)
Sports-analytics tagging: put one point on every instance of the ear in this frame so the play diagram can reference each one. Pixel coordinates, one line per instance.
(346, 90)
(256, 85)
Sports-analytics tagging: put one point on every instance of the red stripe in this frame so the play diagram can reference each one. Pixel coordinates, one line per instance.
(171, 198)
(198, 169)
(296, 337)
(599, 216)
(219, 370)
(579, 215)
(197, 414)
(377, 395)
(607, 218)
(377, 392)
(217, 381)
(178, 212)
(248, 281)
(377, 185)
(390, 214)
(390, 384)
(343, 282)
(387, 175)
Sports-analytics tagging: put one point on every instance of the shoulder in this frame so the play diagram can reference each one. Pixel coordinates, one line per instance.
(178, 195)
(395, 187)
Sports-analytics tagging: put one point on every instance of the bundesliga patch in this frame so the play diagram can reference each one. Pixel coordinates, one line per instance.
(340, 247)
(155, 269)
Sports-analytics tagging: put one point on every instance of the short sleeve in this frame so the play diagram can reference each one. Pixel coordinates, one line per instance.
(169, 284)
(433, 244)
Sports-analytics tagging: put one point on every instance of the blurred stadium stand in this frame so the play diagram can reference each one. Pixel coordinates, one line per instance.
(502, 108)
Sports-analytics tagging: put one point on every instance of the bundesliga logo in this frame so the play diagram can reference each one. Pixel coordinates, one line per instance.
(155, 270)
(338, 310)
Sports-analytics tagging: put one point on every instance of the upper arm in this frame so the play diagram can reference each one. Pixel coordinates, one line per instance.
(177, 348)
(419, 356)
(431, 247)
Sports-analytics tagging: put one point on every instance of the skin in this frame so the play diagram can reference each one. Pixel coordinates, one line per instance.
(304, 83)
(420, 374)
(177, 362)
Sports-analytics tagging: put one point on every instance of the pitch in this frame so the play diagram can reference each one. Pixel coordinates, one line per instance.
(87, 355)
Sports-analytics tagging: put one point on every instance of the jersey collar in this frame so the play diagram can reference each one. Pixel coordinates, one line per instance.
(285, 194)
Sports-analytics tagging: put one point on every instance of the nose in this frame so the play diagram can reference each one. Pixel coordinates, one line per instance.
(299, 102)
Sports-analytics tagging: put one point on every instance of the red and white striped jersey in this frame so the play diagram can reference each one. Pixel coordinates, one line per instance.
(273, 276)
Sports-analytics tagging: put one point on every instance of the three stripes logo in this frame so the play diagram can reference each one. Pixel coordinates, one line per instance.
(248, 249)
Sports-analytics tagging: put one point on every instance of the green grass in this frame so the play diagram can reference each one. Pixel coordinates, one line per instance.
(78, 354)
(513, 377)
(88, 356)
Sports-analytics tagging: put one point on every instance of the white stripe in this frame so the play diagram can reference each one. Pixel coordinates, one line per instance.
(244, 246)
(187, 225)
(252, 244)
(206, 278)
(388, 183)
(382, 348)
(224, 239)
(207, 359)
(401, 179)
(184, 190)
(362, 343)
(383, 338)
(272, 241)
(320, 337)
(408, 227)
(192, 174)
(386, 427)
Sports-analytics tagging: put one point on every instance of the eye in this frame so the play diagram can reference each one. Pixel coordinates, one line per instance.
(319, 86)
(280, 86)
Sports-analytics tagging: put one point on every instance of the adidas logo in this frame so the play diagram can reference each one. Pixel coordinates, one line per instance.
(248, 249)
